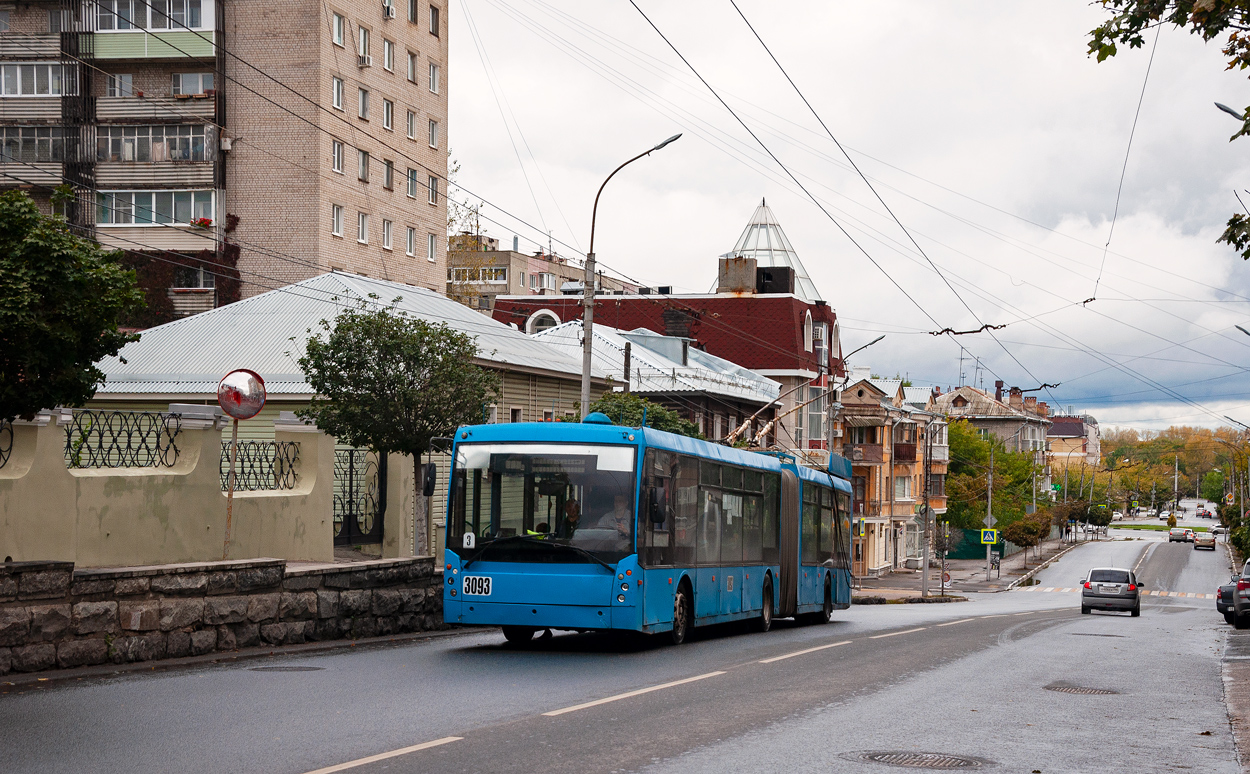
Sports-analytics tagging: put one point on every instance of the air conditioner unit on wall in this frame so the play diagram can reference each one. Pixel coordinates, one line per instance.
(366, 60)
(388, 10)
(835, 432)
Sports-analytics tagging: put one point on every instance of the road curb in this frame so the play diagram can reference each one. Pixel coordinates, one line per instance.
(1029, 575)
(55, 676)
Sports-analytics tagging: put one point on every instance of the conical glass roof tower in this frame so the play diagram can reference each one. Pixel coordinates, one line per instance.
(764, 241)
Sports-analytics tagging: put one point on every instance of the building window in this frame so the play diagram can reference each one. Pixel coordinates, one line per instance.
(820, 343)
(362, 103)
(412, 241)
(336, 219)
(388, 114)
(362, 166)
(433, 78)
(133, 14)
(34, 79)
(336, 29)
(412, 67)
(362, 228)
(432, 187)
(192, 83)
(154, 143)
(434, 21)
(433, 133)
(336, 156)
(387, 228)
(815, 413)
(336, 92)
(431, 247)
(461, 275)
(4, 21)
(412, 183)
(193, 278)
(413, 6)
(497, 275)
(388, 175)
(32, 143)
(514, 415)
(412, 125)
(388, 55)
(902, 487)
(362, 41)
(521, 279)
(807, 332)
(119, 85)
(144, 208)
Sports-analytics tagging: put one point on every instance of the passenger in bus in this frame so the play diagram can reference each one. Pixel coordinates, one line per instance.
(619, 518)
(572, 519)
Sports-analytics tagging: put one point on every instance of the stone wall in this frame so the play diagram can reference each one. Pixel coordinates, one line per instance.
(53, 616)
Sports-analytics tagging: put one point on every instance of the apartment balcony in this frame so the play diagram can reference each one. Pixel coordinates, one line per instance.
(863, 452)
(157, 174)
(30, 110)
(141, 44)
(189, 301)
(32, 47)
(904, 452)
(940, 453)
(130, 109)
(152, 237)
(18, 174)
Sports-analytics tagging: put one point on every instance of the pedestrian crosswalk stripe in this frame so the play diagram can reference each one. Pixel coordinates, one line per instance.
(1187, 594)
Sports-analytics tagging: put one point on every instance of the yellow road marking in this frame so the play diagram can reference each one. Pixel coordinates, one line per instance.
(629, 694)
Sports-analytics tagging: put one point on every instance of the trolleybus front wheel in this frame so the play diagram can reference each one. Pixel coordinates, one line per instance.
(683, 614)
(518, 635)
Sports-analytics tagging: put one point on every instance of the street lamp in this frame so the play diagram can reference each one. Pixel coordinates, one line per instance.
(1234, 113)
(588, 283)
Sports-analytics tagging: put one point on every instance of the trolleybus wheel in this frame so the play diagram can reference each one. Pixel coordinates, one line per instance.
(518, 635)
(682, 614)
(765, 621)
(826, 610)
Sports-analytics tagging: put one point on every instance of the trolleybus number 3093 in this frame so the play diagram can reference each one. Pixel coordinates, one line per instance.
(476, 586)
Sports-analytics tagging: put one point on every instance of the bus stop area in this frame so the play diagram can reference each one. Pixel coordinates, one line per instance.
(965, 576)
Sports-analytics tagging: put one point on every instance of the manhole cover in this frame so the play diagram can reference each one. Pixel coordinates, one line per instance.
(286, 669)
(1081, 690)
(923, 760)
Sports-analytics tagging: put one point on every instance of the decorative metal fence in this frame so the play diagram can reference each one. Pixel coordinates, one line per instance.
(122, 439)
(261, 466)
(359, 497)
(6, 441)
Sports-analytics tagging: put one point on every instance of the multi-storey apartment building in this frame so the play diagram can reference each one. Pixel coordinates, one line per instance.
(220, 135)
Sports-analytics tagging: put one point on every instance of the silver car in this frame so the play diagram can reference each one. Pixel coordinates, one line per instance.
(1111, 588)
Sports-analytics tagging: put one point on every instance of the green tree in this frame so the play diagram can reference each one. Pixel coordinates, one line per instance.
(967, 483)
(1023, 534)
(392, 383)
(61, 298)
(626, 408)
(1213, 486)
(1208, 19)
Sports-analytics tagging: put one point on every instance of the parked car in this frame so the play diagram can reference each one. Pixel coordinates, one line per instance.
(1204, 540)
(1117, 516)
(1177, 535)
(1224, 599)
(1241, 599)
(1218, 530)
(1189, 536)
(1163, 515)
(1117, 589)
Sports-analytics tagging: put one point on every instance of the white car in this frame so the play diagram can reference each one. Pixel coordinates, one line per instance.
(1117, 516)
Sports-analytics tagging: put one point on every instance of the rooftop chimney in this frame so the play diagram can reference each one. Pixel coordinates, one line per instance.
(1015, 398)
(1043, 410)
(1030, 404)
(998, 390)
(737, 275)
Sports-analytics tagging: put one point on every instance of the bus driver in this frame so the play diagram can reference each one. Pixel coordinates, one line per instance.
(620, 518)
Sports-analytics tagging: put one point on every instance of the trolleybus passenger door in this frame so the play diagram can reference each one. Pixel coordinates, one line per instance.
(789, 588)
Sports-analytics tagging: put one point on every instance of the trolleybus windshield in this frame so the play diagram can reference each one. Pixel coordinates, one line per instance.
(542, 502)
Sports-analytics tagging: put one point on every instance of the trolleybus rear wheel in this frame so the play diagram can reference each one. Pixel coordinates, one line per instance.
(826, 610)
(681, 614)
(765, 621)
(518, 635)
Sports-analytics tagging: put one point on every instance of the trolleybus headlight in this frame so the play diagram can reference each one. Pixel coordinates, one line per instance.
(620, 597)
(624, 587)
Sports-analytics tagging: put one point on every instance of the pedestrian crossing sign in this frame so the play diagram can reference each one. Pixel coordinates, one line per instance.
(989, 537)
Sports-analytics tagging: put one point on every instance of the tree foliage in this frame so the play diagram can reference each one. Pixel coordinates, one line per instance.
(61, 298)
(1208, 19)
(967, 483)
(391, 383)
(626, 408)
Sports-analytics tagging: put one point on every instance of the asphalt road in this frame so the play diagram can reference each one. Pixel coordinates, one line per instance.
(966, 679)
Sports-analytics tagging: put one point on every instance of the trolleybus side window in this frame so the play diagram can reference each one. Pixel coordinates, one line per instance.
(770, 532)
(656, 534)
(752, 546)
(809, 523)
(707, 541)
(843, 557)
(731, 525)
(685, 522)
(826, 525)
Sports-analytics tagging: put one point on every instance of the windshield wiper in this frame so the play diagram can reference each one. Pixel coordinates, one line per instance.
(537, 541)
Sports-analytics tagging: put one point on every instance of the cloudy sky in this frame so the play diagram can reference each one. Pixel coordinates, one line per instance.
(984, 125)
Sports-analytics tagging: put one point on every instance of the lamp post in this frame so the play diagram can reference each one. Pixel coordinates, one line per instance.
(588, 283)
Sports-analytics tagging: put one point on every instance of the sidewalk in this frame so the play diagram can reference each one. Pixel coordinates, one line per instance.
(967, 575)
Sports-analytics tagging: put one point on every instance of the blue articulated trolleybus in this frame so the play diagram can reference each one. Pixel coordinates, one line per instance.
(595, 526)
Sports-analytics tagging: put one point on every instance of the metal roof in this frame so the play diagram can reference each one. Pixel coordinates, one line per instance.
(267, 333)
(656, 363)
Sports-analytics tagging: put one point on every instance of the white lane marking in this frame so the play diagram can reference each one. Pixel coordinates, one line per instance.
(802, 652)
(629, 694)
(996, 615)
(894, 634)
(1049, 588)
(952, 623)
(1028, 612)
(385, 755)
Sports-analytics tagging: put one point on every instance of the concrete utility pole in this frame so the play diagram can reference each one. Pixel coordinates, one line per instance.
(1176, 477)
(588, 285)
(924, 546)
(989, 510)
